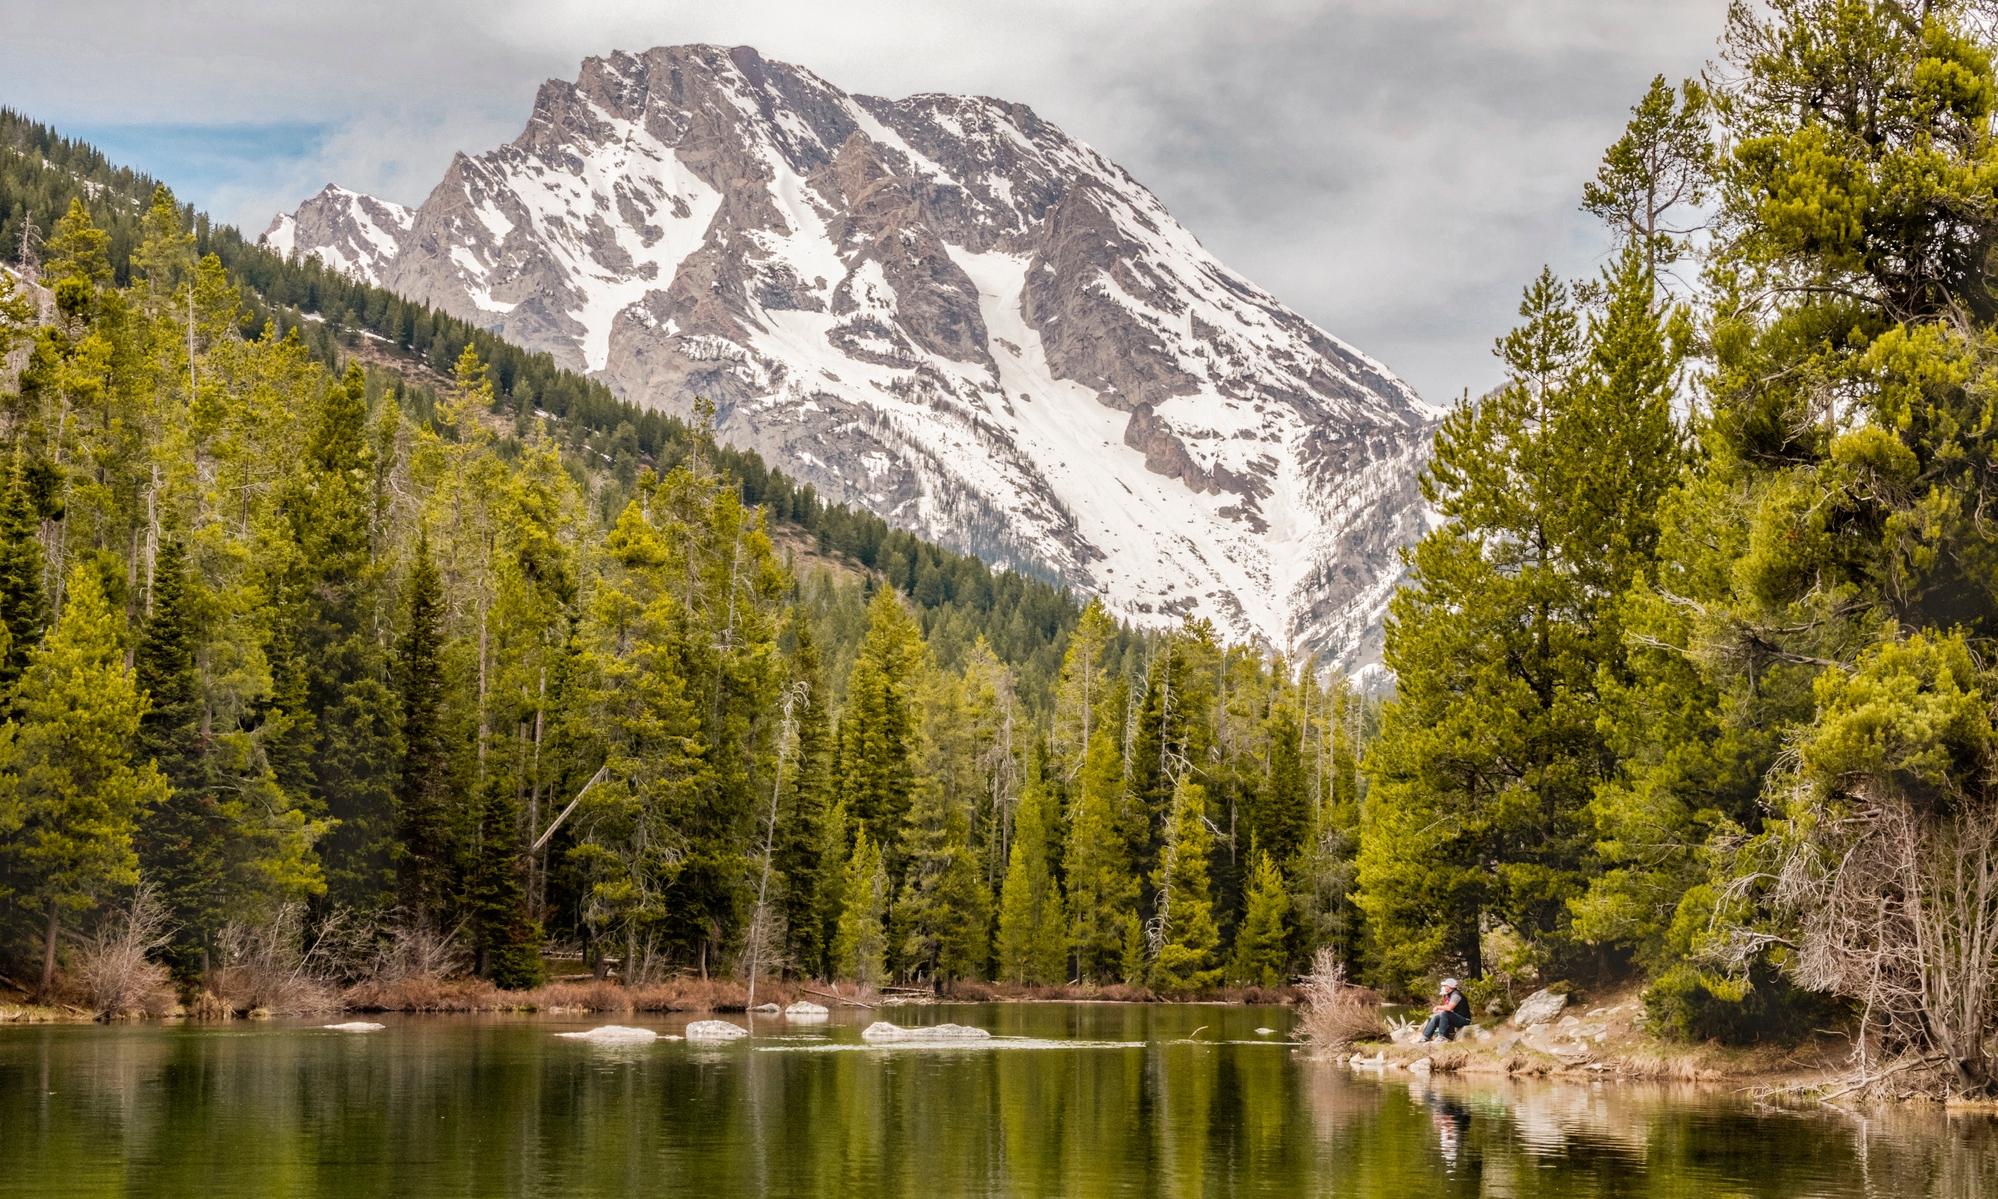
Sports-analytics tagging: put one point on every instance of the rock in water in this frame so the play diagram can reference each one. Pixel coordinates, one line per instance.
(613, 1034)
(805, 1009)
(1421, 1066)
(1264, 1032)
(881, 1030)
(765, 1009)
(354, 1026)
(1539, 1008)
(715, 1030)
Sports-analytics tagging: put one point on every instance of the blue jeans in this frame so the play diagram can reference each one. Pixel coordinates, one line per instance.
(1446, 1023)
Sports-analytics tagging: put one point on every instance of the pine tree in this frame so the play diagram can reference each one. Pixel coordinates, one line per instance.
(1261, 950)
(860, 947)
(1280, 815)
(1102, 891)
(24, 607)
(166, 254)
(801, 829)
(183, 843)
(1491, 751)
(80, 791)
(1185, 910)
(835, 852)
(878, 728)
(356, 759)
(964, 929)
(1087, 694)
(424, 795)
(506, 941)
(1032, 928)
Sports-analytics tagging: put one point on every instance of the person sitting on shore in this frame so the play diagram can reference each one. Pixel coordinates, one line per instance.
(1447, 1017)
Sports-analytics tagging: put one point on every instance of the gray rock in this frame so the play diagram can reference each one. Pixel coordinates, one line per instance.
(614, 1034)
(805, 1009)
(1420, 1066)
(881, 1030)
(1539, 1008)
(715, 1030)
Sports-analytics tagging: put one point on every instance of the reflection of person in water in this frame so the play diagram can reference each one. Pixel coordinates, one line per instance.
(1452, 1120)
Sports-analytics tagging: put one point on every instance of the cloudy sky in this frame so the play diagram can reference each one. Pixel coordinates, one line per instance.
(1394, 169)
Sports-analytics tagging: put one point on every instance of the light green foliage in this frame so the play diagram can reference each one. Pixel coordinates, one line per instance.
(860, 946)
(1491, 753)
(1102, 889)
(1262, 955)
(1184, 909)
(1032, 930)
(80, 792)
(878, 727)
(1655, 178)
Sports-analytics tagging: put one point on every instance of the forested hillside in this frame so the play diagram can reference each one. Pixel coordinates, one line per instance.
(321, 623)
(1695, 682)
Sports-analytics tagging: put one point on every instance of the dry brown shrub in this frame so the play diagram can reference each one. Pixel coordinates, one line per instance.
(112, 972)
(208, 1006)
(428, 994)
(1445, 1062)
(965, 991)
(1127, 993)
(693, 995)
(1271, 996)
(598, 996)
(419, 951)
(271, 967)
(1336, 1013)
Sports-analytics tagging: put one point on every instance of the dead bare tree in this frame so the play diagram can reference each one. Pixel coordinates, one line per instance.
(1880, 881)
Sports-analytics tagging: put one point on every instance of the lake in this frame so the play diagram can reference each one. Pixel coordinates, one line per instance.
(1070, 1100)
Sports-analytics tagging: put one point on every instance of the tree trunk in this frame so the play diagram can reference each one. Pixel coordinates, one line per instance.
(48, 955)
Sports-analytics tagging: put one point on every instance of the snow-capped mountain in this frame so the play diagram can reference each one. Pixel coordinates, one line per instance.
(942, 308)
(346, 230)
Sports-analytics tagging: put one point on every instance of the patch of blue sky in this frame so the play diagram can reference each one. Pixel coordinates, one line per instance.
(213, 165)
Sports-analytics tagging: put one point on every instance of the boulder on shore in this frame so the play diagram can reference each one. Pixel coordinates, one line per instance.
(881, 1030)
(1539, 1008)
(715, 1030)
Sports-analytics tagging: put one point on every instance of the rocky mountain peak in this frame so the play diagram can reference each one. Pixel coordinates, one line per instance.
(942, 308)
(352, 233)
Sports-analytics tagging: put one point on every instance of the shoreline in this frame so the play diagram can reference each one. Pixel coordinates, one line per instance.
(1488, 1050)
(429, 996)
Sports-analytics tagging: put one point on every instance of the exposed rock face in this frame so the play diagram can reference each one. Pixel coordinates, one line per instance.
(1538, 1008)
(349, 232)
(947, 310)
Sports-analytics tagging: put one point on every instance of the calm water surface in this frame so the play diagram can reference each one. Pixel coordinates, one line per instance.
(1091, 1100)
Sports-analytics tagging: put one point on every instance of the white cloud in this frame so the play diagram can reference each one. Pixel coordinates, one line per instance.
(1395, 169)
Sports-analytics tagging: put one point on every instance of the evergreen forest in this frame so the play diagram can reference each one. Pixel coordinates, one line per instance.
(323, 608)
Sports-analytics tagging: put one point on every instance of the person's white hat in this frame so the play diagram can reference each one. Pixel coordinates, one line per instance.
(1449, 984)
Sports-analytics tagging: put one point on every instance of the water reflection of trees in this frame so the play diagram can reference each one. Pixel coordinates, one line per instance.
(1509, 1137)
(494, 1108)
